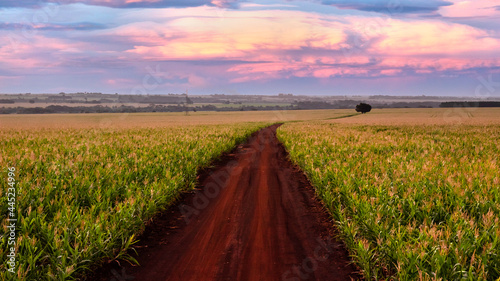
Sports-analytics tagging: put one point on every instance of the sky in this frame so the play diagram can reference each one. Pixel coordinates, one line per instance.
(309, 47)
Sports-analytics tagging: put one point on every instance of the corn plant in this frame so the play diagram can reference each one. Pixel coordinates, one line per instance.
(412, 202)
(83, 195)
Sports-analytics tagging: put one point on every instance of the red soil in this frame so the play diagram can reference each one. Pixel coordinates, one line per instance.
(255, 217)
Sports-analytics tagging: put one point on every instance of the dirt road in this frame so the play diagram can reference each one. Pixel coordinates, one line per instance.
(254, 218)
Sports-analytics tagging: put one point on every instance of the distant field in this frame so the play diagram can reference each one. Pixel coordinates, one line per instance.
(415, 192)
(88, 182)
(155, 120)
(222, 105)
(426, 116)
(74, 104)
(111, 104)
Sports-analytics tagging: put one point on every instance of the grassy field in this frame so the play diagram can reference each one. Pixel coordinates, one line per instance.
(83, 194)
(87, 183)
(415, 192)
(157, 120)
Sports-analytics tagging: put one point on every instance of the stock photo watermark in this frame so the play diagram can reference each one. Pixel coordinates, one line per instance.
(11, 220)
(150, 81)
(211, 190)
(362, 34)
(28, 29)
(485, 88)
(121, 276)
(310, 264)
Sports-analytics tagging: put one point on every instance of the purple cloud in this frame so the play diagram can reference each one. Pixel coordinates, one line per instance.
(61, 27)
(123, 3)
(390, 6)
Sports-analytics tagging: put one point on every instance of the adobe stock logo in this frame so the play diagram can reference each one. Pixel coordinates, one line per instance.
(484, 90)
(486, 87)
(122, 276)
(28, 26)
(310, 264)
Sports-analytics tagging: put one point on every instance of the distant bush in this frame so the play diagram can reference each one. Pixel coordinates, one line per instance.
(363, 108)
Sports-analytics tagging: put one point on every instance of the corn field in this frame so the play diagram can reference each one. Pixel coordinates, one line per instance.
(412, 202)
(83, 195)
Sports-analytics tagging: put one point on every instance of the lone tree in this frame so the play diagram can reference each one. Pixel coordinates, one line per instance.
(363, 108)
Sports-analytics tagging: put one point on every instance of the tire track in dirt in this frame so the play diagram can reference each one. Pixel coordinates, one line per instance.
(254, 218)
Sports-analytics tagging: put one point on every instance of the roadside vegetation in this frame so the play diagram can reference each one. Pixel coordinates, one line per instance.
(412, 202)
(83, 195)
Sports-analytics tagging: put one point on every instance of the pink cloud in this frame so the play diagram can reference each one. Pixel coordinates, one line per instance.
(280, 44)
(263, 36)
(238, 35)
(433, 37)
(131, 3)
(390, 72)
(476, 8)
(222, 3)
(425, 65)
(138, 1)
(120, 81)
(38, 52)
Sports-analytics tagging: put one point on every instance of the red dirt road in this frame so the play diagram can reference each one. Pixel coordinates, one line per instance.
(254, 218)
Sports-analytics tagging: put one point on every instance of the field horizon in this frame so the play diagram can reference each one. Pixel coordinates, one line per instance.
(355, 162)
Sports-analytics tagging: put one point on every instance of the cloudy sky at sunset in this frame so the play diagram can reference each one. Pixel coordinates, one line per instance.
(323, 47)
